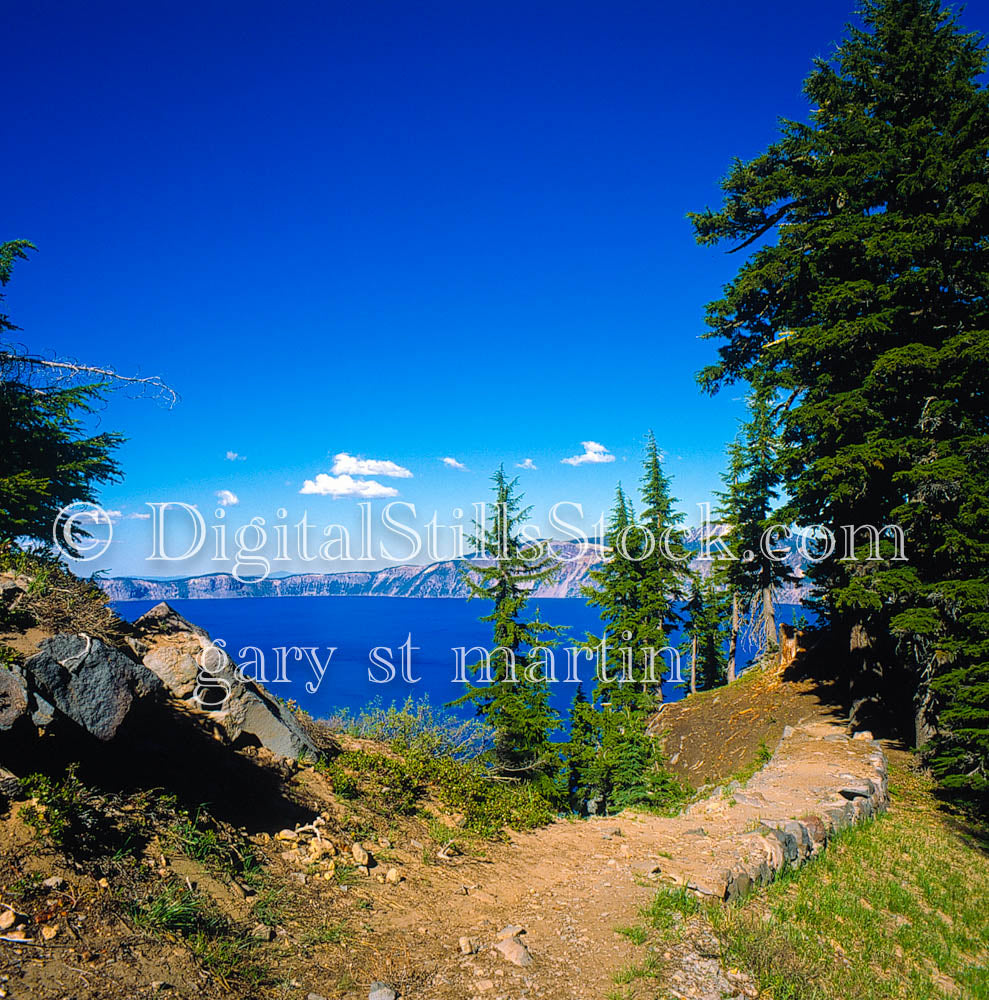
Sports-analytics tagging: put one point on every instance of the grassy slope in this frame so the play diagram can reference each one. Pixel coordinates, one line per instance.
(895, 909)
(898, 908)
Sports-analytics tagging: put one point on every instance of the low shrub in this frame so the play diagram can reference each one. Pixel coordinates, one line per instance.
(417, 725)
(65, 812)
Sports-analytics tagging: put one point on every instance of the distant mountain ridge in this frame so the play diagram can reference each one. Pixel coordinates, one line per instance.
(438, 579)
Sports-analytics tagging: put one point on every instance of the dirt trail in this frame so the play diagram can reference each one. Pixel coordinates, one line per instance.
(571, 884)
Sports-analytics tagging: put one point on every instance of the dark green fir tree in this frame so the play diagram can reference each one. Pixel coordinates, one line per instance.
(864, 307)
(514, 698)
(706, 633)
(47, 461)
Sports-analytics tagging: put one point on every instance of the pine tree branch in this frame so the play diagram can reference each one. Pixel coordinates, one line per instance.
(766, 226)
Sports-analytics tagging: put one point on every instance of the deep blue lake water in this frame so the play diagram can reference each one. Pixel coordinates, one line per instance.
(354, 625)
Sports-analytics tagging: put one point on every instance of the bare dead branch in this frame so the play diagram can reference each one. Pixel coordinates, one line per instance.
(66, 370)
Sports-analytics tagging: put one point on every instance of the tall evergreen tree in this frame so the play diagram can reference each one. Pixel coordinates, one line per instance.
(729, 571)
(618, 763)
(751, 487)
(47, 462)
(516, 702)
(617, 588)
(706, 632)
(587, 783)
(875, 261)
(665, 566)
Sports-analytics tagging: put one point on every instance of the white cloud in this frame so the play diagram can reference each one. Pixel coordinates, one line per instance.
(453, 463)
(349, 465)
(346, 486)
(233, 456)
(96, 515)
(594, 454)
(225, 498)
(137, 516)
(527, 463)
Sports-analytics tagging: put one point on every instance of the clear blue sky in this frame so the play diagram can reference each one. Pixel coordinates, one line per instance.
(399, 231)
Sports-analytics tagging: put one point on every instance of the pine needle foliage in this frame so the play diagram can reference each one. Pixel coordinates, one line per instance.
(869, 225)
(513, 696)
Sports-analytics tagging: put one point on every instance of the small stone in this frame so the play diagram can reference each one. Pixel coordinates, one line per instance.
(392, 876)
(315, 996)
(55, 882)
(7, 919)
(484, 985)
(510, 931)
(514, 951)
(360, 855)
(381, 991)
(48, 932)
(286, 835)
(262, 932)
(467, 946)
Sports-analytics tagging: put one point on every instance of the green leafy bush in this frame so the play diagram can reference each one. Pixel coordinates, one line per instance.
(417, 725)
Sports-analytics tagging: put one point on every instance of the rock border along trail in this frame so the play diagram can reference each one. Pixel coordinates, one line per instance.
(566, 887)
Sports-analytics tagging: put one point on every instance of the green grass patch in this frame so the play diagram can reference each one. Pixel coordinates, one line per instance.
(174, 909)
(895, 909)
(667, 903)
(636, 934)
(202, 839)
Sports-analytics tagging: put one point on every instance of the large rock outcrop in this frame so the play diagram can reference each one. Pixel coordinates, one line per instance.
(88, 682)
(204, 679)
(13, 699)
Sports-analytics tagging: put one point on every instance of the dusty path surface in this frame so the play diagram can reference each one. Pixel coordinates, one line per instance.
(566, 888)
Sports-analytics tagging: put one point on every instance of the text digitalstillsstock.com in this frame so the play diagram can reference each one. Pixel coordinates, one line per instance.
(179, 533)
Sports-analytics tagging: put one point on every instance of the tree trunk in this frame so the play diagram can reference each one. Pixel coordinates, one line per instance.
(733, 638)
(769, 618)
(693, 665)
(923, 730)
(859, 692)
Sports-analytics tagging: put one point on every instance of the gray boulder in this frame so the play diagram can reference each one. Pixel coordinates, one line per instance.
(13, 698)
(88, 682)
(204, 679)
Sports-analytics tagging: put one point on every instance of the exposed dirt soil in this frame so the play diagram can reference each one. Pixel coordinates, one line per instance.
(711, 736)
(334, 929)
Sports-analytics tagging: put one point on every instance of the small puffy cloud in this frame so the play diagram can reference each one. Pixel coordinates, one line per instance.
(453, 463)
(349, 465)
(138, 516)
(233, 456)
(527, 463)
(346, 486)
(95, 515)
(225, 498)
(594, 454)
